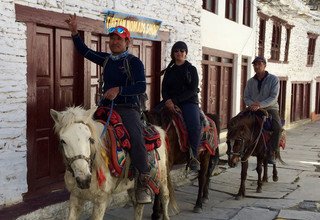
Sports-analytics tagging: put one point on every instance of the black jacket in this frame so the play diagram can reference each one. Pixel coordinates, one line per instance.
(180, 83)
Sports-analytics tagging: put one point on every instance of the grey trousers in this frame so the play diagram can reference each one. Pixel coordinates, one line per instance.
(131, 119)
(276, 127)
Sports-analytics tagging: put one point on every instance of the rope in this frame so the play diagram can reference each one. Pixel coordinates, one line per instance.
(107, 122)
(257, 140)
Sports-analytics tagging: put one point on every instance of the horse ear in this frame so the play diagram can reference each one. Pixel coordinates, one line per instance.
(90, 114)
(55, 115)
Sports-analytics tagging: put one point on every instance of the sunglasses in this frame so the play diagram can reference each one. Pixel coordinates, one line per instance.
(120, 30)
(179, 50)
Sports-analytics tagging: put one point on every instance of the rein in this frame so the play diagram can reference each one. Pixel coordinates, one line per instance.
(257, 139)
(107, 122)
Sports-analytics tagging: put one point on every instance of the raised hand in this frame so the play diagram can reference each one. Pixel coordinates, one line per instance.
(72, 24)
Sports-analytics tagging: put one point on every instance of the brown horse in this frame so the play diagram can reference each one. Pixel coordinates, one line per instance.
(207, 161)
(246, 137)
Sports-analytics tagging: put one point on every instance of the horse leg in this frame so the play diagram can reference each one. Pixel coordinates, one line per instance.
(165, 198)
(242, 189)
(213, 161)
(265, 170)
(138, 211)
(99, 209)
(75, 207)
(202, 179)
(275, 173)
(259, 171)
(157, 209)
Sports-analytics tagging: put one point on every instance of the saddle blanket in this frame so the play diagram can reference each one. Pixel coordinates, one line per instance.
(119, 141)
(209, 134)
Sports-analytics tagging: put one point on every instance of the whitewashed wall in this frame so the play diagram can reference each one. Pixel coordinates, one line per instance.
(180, 18)
(296, 69)
(233, 37)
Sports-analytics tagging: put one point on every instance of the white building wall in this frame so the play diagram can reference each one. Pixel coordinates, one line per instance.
(180, 18)
(296, 69)
(233, 37)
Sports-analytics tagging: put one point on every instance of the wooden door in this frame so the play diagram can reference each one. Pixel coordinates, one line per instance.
(213, 89)
(225, 96)
(243, 82)
(54, 81)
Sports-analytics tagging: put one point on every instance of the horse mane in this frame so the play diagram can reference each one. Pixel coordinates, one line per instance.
(80, 115)
(245, 121)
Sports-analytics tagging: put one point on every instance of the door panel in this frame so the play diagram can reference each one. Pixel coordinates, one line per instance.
(54, 73)
(225, 96)
(68, 86)
(213, 89)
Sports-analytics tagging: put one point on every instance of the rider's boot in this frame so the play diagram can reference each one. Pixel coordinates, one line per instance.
(143, 192)
(194, 163)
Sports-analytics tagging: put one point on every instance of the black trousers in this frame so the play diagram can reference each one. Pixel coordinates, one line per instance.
(276, 127)
(131, 119)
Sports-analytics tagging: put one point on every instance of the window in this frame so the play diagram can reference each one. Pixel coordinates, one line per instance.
(231, 9)
(311, 48)
(282, 96)
(262, 33)
(276, 41)
(317, 110)
(286, 52)
(210, 5)
(246, 12)
(300, 101)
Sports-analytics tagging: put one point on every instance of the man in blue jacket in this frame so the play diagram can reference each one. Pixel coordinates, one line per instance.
(262, 91)
(123, 90)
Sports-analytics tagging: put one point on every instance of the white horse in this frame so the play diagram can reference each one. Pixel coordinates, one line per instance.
(82, 151)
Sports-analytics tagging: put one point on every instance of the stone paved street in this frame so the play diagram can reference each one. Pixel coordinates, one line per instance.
(295, 196)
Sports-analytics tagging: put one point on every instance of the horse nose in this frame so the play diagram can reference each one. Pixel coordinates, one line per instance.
(84, 183)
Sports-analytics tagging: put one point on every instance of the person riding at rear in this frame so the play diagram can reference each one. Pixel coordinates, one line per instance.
(262, 91)
(120, 92)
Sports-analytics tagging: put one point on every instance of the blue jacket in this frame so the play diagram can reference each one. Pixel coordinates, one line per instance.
(114, 74)
(265, 91)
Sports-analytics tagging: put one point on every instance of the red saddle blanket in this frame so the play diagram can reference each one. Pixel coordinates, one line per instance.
(120, 144)
(209, 134)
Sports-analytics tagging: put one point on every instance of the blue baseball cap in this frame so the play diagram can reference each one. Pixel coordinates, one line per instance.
(259, 59)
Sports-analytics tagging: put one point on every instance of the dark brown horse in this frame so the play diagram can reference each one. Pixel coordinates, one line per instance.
(246, 137)
(207, 161)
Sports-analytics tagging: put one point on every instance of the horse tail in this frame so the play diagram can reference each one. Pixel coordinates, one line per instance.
(173, 202)
(278, 156)
(216, 120)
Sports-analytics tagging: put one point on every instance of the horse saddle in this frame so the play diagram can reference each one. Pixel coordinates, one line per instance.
(120, 144)
(267, 129)
(209, 134)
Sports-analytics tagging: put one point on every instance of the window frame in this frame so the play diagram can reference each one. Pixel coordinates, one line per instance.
(231, 15)
(288, 36)
(311, 48)
(213, 8)
(247, 11)
(263, 18)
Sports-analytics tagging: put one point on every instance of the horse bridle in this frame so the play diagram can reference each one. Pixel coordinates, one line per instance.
(89, 160)
(241, 153)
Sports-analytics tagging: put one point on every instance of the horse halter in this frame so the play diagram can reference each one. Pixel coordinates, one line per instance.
(240, 153)
(89, 160)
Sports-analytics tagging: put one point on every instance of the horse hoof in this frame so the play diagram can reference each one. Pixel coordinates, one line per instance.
(238, 197)
(265, 180)
(205, 200)
(275, 179)
(197, 209)
(155, 216)
(259, 190)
